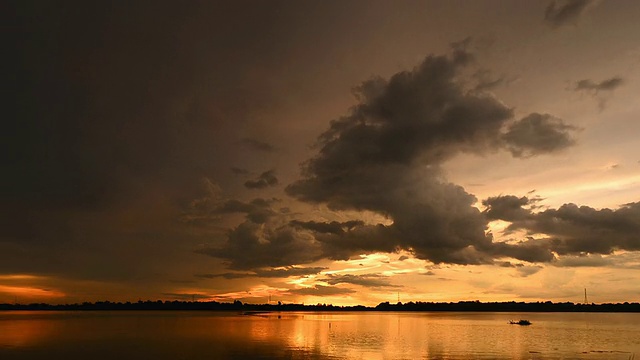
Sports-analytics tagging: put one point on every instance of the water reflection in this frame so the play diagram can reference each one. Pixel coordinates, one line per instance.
(23, 329)
(207, 335)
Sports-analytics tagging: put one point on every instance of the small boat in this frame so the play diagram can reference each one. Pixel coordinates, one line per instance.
(520, 322)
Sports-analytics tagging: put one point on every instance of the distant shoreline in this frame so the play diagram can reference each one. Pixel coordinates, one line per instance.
(461, 306)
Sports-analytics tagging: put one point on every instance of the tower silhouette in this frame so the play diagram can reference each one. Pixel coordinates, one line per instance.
(585, 296)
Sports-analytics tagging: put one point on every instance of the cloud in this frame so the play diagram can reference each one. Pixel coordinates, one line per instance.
(572, 229)
(506, 207)
(563, 12)
(252, 246)
(258, 145)
(604, 85)
(386, 156)
(509, 264)
(320, 290)
(264, 239)
(268, 273)
(212, 206)
(537, 134)
(583, 260)
(524, 271)
(601, 91)
(357, 240)
(576, 229)
(258, 210)
(266, 179)
(367, 280)
(333, 227)
(530, 250)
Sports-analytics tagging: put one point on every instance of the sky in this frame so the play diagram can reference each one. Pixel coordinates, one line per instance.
(344, 152)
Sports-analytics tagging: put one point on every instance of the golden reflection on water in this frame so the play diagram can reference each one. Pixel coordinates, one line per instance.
(206, 335)
(456, 335)
(24, 332)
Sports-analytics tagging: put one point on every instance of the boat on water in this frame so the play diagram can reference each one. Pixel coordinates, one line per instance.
(520, 322)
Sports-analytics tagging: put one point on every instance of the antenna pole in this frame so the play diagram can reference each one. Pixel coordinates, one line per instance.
(585, 296)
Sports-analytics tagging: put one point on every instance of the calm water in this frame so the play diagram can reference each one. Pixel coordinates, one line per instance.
(214, 335)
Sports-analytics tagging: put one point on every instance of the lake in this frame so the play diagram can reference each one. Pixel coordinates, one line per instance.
(316, 335)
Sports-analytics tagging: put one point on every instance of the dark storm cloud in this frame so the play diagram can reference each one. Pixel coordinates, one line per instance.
(537, 134)
(333, 227)
(361, 239)
(264, 239)
(366, 280)
(572, 229)
(252, 246)
(258, 145)
(266, 179)
(583, 260)
(506, 207)
(575, 229)
(320, 290)
(95, 92)
(531, 250)
(268, 273)
(564, 12)
(111, 108)
(385, 156)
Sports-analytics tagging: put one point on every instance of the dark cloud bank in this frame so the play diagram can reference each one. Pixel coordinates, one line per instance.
(385, 156)
(571, 229)
(112, 108)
